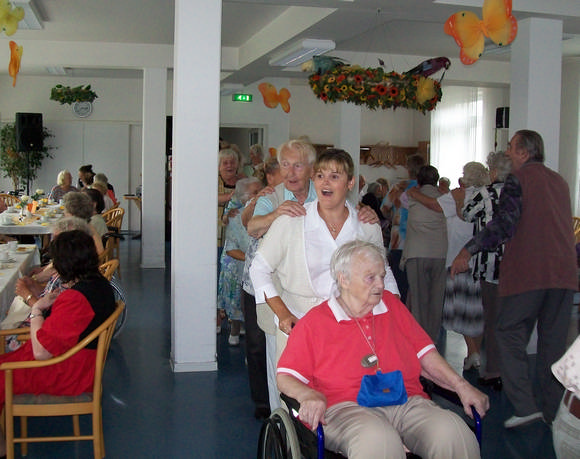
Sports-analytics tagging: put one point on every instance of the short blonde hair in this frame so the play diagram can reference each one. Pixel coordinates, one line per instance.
(61, 175)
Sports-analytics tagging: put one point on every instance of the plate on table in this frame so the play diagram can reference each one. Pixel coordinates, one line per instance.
(24, 249)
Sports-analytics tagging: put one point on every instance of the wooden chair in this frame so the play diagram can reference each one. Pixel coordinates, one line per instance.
(108, 268)
(25, 405)
(576, 221)
(9, 200)
(114, 219)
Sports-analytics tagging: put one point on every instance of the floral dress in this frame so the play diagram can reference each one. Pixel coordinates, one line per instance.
(230, 280)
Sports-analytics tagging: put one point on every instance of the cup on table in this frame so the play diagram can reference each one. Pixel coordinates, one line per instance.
(43, 219)
(11, 209)
(4, 255)
(12, 246)
(6, 219)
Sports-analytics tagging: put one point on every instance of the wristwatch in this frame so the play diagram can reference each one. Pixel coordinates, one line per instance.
(33, 315)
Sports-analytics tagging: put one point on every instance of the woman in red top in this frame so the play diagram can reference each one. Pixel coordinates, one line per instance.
(59, 321)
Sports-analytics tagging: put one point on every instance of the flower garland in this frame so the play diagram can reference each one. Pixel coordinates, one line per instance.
(375, 88)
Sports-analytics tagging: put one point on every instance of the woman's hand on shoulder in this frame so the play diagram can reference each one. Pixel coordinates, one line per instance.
(367, 214)
(290, 208)
(265, 191)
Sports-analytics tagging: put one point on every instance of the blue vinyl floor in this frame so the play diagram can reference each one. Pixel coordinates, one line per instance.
(150, 412)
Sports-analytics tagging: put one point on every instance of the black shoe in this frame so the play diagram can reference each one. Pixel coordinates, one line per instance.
(494, 383)
(262, 412)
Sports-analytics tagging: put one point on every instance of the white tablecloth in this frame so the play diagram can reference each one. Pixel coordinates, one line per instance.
(26, 256)
(36, 227)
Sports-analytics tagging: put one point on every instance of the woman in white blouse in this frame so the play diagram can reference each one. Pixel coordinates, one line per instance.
(297, 250)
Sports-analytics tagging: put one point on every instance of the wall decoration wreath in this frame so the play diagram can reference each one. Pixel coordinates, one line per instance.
(375, 88)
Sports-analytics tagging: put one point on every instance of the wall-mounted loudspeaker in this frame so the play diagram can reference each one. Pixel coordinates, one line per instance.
(502, 117)
(29, 132)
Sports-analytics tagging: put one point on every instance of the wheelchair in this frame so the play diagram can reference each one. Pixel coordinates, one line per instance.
(283, 436)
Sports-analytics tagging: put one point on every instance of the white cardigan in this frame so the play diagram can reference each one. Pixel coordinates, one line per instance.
(283, 251)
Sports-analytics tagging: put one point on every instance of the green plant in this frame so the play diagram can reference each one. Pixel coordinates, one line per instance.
(68, 95)
(19, 166)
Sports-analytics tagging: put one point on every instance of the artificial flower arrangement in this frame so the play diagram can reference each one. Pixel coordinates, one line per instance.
(375, 88)
(68, 95)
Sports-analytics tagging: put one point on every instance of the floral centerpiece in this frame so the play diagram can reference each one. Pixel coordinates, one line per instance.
(38, 194)
(68, 95)
(375, 88)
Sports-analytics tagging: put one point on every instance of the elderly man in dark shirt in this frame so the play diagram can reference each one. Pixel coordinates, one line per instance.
(537, 275)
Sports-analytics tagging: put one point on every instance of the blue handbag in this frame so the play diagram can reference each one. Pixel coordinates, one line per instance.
(382, 389)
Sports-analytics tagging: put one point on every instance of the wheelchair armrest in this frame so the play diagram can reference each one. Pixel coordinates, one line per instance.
(431, 388)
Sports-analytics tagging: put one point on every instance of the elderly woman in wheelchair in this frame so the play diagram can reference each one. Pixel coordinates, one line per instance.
(354, 362)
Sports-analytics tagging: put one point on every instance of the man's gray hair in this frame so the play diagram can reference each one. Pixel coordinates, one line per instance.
(306, 149)
(341, 260)
(532, 142)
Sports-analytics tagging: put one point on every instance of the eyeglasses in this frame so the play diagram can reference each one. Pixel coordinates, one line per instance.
(298, 167)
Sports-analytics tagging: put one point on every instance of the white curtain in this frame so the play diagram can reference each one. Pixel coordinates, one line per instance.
(463, 128)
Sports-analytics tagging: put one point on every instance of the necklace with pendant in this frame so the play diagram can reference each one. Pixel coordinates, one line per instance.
(372, 359)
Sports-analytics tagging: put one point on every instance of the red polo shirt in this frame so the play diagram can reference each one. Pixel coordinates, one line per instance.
(325, 348)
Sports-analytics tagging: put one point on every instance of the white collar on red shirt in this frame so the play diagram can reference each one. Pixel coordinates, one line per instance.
(339, 313)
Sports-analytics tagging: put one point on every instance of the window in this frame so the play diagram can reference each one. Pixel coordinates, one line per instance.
(463, 128)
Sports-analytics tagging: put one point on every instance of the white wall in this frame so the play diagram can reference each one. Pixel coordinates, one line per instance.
(569, 164)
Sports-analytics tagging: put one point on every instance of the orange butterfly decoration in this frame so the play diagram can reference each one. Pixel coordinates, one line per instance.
(272, 97)
(469, 31)
(14, 65)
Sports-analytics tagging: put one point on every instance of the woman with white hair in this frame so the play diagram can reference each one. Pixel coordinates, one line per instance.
(348, 339)
(228, 164)
(233, 257)
(479, 210)
(62, 187)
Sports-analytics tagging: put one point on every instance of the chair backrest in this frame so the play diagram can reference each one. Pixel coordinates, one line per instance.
(108, 268)
(576, 221)
(9, 200)
(114, 218)
(103, 334)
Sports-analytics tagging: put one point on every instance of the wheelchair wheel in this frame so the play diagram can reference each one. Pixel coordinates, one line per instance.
(278, 439)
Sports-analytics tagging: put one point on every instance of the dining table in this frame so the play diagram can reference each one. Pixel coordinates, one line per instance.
(19, 262)
(15, 222)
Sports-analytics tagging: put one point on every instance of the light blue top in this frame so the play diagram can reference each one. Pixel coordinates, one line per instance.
(264, 205)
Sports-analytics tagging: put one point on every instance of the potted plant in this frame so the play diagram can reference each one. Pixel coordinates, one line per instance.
(19, 166)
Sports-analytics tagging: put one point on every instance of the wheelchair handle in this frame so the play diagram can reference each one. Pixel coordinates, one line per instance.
(477, 419)
(320, 443)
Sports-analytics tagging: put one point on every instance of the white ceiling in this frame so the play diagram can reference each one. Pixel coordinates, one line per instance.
(370, 27)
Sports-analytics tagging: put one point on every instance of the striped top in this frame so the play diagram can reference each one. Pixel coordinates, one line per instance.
(479, 210)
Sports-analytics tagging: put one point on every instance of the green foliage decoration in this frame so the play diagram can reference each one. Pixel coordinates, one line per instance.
(68, 95)
(14, 164)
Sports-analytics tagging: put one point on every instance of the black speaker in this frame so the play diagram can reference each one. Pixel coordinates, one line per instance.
(29, 132)
(502, 117)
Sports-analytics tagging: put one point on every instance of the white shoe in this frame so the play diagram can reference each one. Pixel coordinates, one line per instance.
(517, 421)
(473, 361)
(234, 340)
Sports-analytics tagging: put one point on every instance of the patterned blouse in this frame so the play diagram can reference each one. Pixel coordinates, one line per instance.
(479, 210)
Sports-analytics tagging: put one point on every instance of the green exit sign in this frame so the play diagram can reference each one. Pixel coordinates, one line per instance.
(242, 97)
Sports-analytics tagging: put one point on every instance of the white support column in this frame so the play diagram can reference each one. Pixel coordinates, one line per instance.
(153, 168)
(536, 78)
(348, 138)
(196, 103)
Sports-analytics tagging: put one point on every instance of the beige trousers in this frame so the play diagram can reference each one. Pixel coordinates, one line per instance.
(426, 429)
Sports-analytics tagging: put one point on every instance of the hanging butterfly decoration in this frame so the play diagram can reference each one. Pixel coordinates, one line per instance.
(10, 17)
(272, 97)
(14, 64)
(469, 31)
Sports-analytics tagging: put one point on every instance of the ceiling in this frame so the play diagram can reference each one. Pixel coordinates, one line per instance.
(260, 28)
